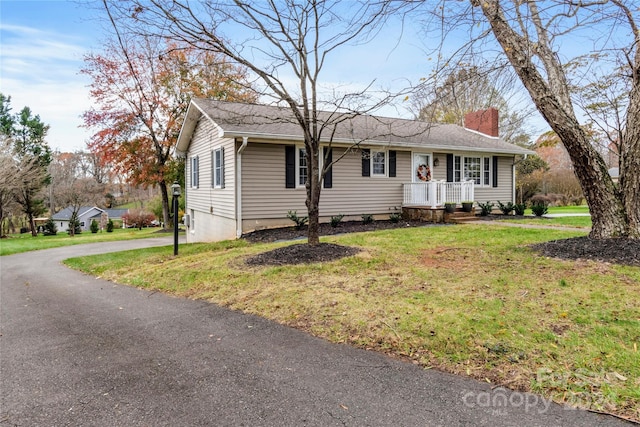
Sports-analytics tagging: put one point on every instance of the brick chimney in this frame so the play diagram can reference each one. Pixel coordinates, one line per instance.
(483, 121)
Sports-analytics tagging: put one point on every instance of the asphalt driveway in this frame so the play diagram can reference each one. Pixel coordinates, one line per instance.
(80, 351)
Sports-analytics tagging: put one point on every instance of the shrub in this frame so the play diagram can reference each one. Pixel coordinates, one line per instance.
(94, 227)
(138, 218)
(299, 221)
(506, 208)
(74, 225)
(367, 219)
(110, 226)
(519, 208)
(395, 217)
(50, 228)
(335, 220)
(539, 208)
(485, 208)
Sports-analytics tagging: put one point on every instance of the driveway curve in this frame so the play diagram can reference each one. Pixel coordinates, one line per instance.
(80, 351)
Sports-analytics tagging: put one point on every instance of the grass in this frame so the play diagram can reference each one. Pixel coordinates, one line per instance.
(473, 300)
(566, 221)
(25, 242)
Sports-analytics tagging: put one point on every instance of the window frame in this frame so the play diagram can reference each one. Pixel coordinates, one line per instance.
(460, 172)
(468, 162)
(217, 170)
(195, 172)
(385, 163)
(300, 150)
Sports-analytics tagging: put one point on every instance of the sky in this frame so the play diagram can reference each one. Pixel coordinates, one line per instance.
(41, 48)
(42, 43)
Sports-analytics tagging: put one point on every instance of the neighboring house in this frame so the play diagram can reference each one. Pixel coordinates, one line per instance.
(85, 215)
(116, 214)
(246, 166)
(615, 174)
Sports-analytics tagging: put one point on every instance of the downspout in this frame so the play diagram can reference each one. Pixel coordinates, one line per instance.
(245, 141)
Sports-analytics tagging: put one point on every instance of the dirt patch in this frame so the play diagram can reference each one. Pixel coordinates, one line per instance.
(614, 251)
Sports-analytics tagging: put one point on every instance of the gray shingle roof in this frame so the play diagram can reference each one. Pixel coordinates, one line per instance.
(278, 123)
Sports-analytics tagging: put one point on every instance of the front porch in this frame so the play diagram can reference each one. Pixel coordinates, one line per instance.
(425, 201)
(435, 194)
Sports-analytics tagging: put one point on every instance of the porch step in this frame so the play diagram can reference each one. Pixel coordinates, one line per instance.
(460, 216)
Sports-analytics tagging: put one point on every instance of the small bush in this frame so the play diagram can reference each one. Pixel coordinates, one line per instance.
(299, 221)
(519, 208)
(506, 208)
(539, 208)
(395, 217)
(94, 227)
(367, 219)
(335, 220)
(50, 228)
(485, 208)
(110, 226)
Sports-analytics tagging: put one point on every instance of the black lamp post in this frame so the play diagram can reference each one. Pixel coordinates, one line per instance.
(175, 191)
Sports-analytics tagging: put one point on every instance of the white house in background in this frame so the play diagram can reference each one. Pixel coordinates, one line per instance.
(246, 166)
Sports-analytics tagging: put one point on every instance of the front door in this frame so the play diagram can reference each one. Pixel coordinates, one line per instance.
(421, 167)
(421, 175)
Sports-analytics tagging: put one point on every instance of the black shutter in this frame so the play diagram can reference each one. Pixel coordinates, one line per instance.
(449, 167)
(392, 164)
(328, 176)
(366, 162)
(494, 182)
(290, 166)
(222, 167)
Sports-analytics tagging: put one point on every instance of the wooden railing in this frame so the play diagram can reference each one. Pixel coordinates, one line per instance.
(437, 193)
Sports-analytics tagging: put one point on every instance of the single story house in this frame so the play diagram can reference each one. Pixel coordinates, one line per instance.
(246, 166)
(86, 214)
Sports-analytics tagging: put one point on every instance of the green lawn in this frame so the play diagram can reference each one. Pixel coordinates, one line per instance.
(568, 209)
(473, 300)
(565, 221)
(25, 242)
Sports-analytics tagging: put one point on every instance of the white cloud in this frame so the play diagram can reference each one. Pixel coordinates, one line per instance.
(40, 69)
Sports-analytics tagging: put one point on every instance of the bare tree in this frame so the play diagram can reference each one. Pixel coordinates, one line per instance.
(13, 174)
(472, 88)
(529, 35)
(286, 45)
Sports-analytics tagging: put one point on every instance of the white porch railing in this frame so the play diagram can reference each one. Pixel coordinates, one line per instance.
(437, 193)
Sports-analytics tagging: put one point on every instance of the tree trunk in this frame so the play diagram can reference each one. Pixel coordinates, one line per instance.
(313, 195)
(608, 215)
(165, 204)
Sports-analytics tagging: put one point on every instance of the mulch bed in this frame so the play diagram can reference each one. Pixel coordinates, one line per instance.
(614, 251)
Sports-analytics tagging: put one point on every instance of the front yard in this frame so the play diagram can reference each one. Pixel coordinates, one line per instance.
(473, 300)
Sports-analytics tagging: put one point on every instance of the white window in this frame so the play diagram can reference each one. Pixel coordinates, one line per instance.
(217, 163)
(195, 172)
(378, 163)
(302, 166)
(486, 170)
(472, 169)
(457, 169)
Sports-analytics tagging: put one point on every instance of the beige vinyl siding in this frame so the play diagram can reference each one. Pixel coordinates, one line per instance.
(504, 190)
(264, 194)
(439, 173)
(205, 198)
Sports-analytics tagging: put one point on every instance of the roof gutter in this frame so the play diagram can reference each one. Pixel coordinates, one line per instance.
(245, 141)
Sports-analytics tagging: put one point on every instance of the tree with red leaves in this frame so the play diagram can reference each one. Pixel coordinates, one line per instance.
(141, 89)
